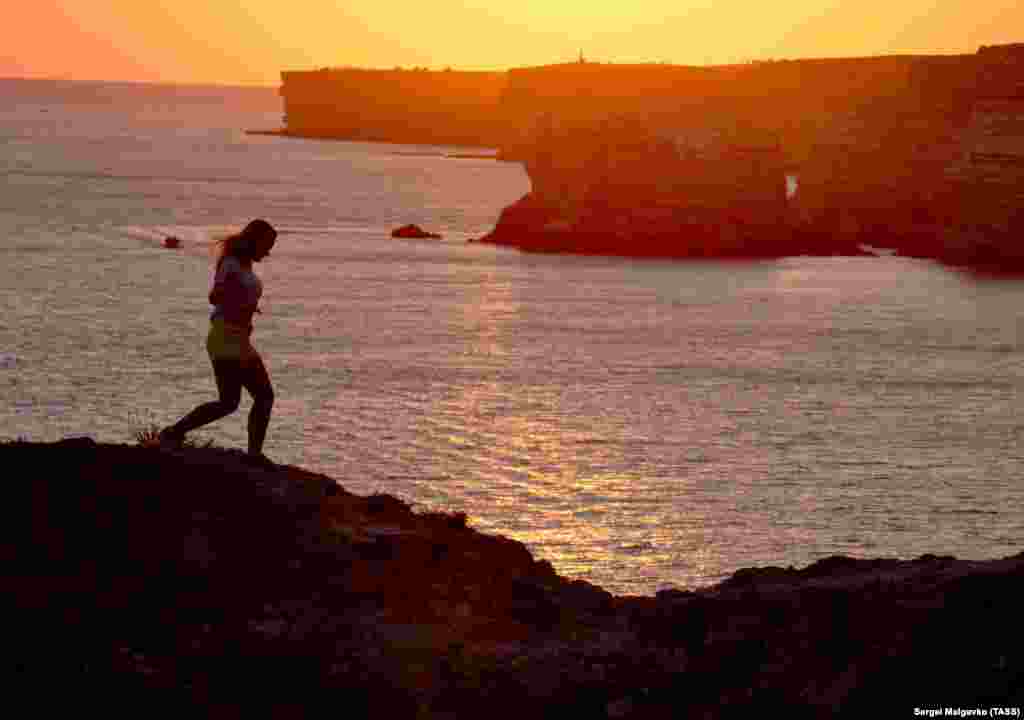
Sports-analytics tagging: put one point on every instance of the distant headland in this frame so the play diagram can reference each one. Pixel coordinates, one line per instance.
(415, 106)
(924, 153)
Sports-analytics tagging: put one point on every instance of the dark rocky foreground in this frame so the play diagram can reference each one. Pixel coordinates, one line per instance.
(144, 581)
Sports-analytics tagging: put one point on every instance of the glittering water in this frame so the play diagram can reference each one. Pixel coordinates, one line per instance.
(639, 424)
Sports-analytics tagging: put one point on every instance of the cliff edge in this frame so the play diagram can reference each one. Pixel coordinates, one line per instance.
(190, 582)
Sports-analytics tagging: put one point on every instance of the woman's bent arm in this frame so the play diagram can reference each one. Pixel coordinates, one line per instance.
(231, 295)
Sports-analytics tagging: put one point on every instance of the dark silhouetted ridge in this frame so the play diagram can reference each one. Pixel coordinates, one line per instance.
(145, 581)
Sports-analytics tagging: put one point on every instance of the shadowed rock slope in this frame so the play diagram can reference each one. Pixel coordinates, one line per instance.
(140, 580)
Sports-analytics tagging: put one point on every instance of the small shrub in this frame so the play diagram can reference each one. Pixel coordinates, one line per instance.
(151, 436)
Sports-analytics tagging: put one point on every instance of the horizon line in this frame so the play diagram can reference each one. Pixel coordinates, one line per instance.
(267, 85)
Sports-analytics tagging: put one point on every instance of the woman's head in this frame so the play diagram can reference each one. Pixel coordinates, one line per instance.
(257, 238)
(253, 243)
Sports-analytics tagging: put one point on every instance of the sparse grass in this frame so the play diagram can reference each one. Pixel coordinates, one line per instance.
(150, 436)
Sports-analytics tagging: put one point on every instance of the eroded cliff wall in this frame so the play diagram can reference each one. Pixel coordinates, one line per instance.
(924, 153)
(406, 106)
(987, 175)
(908, 151)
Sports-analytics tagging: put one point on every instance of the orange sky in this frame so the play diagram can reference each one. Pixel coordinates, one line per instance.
(251, 41)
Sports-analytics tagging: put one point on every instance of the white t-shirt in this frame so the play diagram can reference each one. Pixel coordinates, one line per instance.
(251, 284)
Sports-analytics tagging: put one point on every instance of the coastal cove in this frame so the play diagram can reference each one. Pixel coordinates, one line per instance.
(657, 160)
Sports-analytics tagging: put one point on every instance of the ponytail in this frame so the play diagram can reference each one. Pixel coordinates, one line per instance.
(224, 245)
(241, 244)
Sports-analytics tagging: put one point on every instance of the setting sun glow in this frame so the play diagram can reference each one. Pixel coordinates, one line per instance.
(251, 41)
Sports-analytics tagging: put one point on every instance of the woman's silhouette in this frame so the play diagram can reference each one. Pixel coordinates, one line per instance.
(236, 364)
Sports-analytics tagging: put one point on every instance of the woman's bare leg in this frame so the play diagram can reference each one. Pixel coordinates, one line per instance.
(229, 376)
(256, 380)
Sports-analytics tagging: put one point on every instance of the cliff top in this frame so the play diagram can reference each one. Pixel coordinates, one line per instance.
(196, 580)
(598, 66)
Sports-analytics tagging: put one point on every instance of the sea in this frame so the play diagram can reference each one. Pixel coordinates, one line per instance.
(641, 424)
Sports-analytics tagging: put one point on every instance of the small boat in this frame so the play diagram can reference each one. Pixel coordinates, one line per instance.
(172, 242)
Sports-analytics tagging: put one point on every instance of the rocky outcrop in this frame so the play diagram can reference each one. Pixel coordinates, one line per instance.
(413, 232)
(417, 106)
(987, 176)
(192, 582)
(917, 153)
(623, 184)
(913, 152)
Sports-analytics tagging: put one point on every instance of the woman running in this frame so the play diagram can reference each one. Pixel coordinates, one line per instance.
(235, 295)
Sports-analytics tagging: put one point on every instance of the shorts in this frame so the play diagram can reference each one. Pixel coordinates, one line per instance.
(228, 341)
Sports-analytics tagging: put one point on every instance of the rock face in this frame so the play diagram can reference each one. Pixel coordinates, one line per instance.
(914, 152)
(623, 185)
(988, 174)
(399, 106)
(896, 151)
(135, 575)
(414, 232)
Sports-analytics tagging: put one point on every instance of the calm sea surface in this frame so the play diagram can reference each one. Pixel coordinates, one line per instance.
(639, 424)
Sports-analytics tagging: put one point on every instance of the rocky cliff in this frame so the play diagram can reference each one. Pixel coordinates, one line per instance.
(620, 184)
(987, 175)
(920, 153)
(415, 106)
(146, 581)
